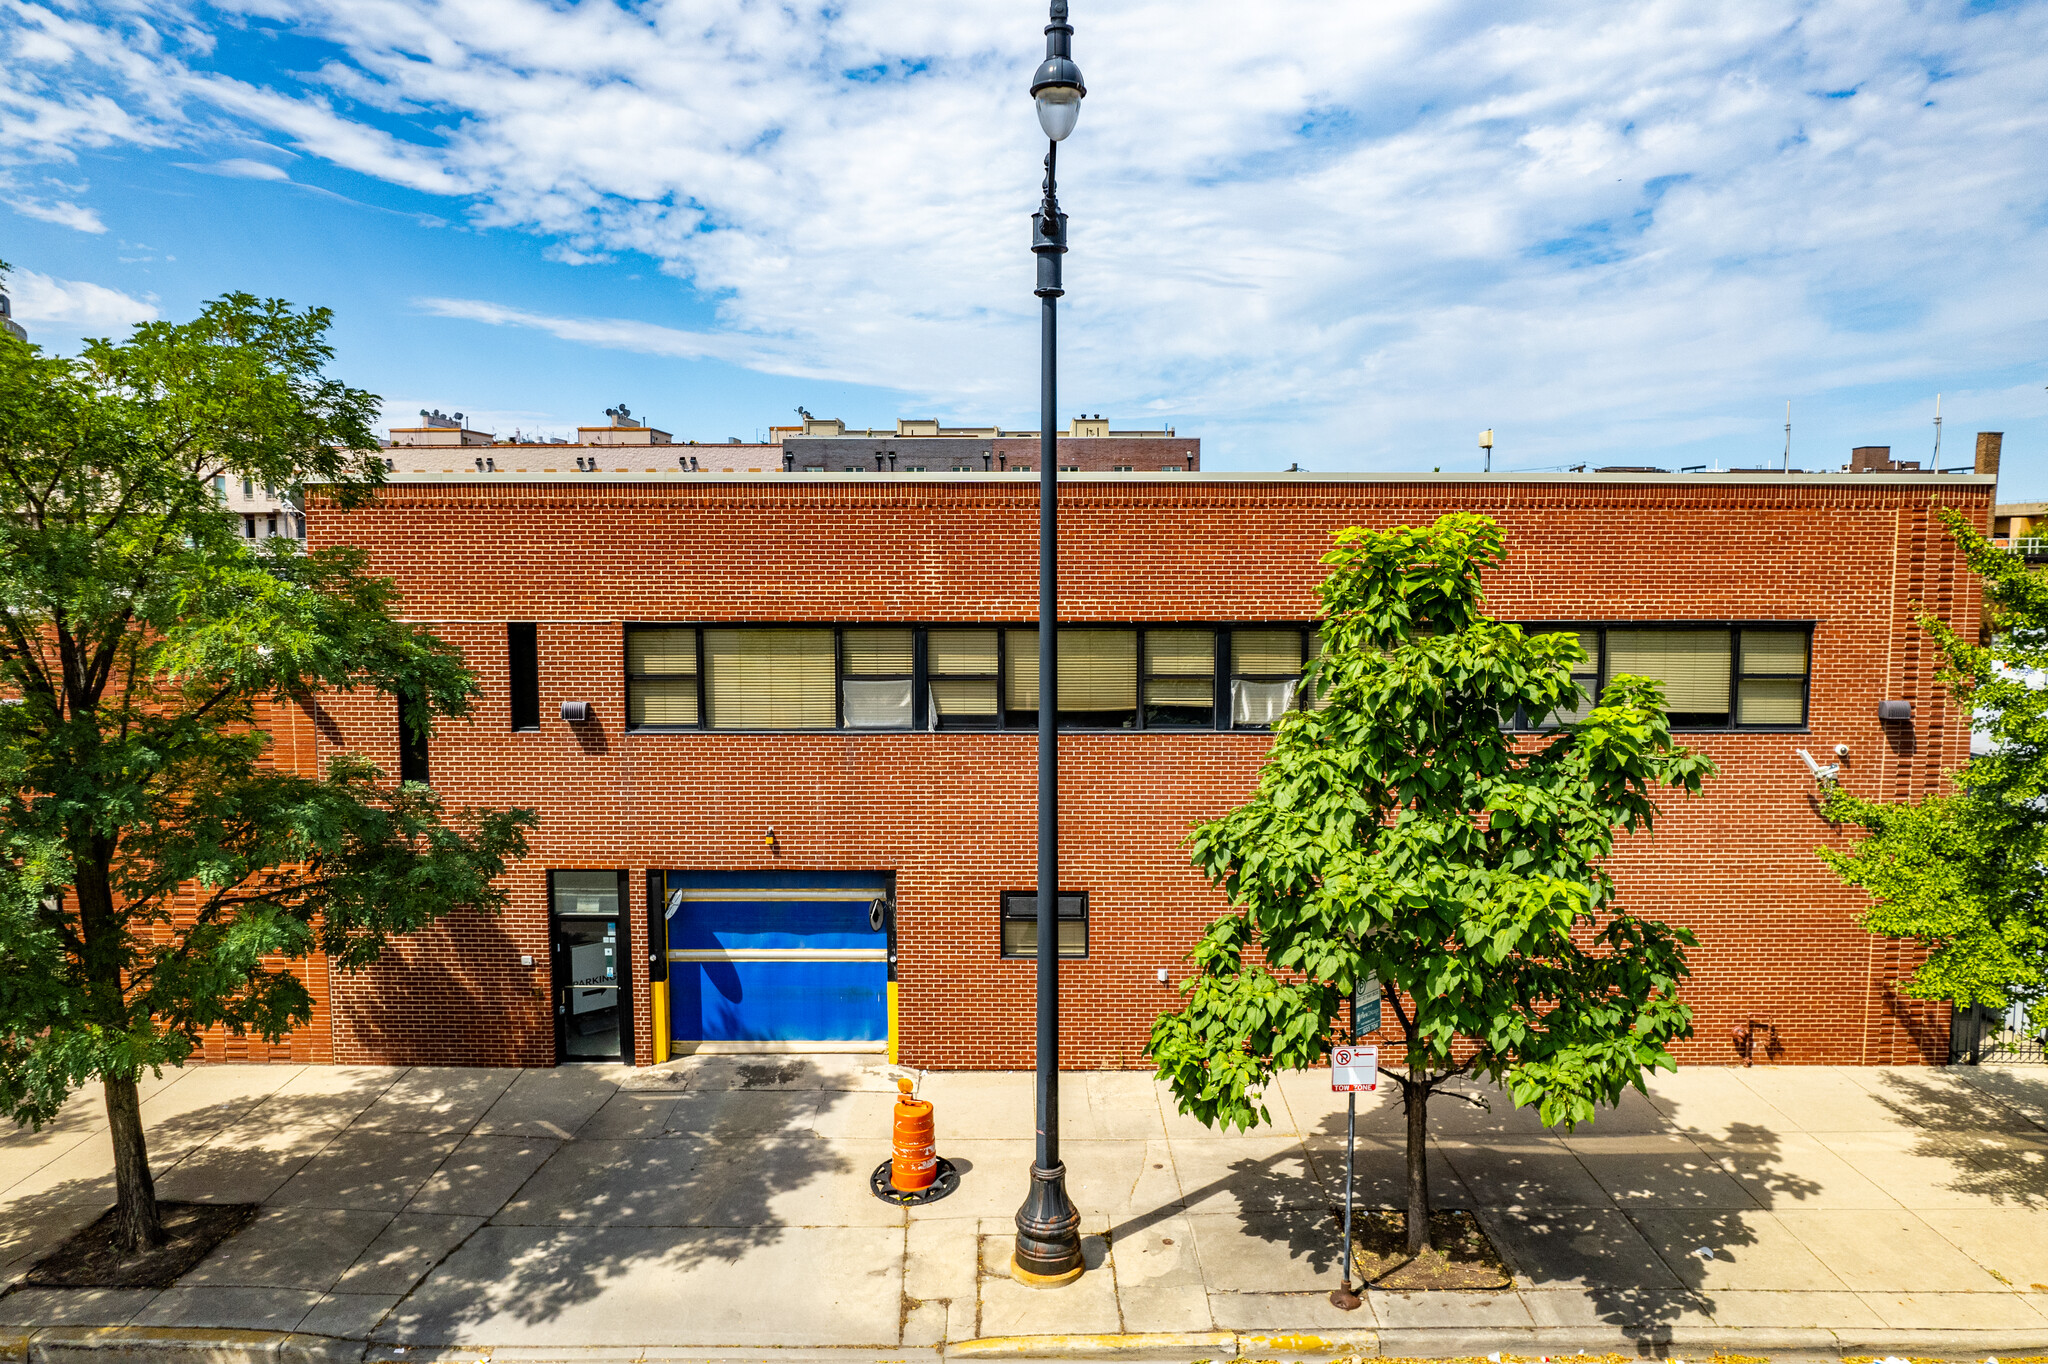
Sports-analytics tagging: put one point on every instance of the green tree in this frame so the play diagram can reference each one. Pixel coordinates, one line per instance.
(1961, 871)
(161, 872)
(1397, 829)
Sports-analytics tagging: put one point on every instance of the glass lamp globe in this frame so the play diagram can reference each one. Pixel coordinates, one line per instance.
(1059, 108)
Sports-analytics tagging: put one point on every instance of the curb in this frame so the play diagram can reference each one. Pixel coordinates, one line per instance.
(1475, 1342)
(175, 1345)
(191, 1345)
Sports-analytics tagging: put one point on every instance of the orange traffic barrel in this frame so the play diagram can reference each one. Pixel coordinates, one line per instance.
(914, 1157)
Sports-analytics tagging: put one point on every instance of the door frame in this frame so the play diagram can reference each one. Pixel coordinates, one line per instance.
(557, 965)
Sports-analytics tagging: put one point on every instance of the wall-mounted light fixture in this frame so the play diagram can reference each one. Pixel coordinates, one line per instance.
(1895, 710)
(575, 712)
(770, 839)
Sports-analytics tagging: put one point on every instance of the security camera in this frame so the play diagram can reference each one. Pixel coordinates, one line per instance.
(1820, 774)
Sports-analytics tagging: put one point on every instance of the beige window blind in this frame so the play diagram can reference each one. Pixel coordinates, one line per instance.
(876, 652)
(1779, 700)
(662, 652)
(1586, 674)
(1589, 640)
(1098, 670)
(1022, 648)
(950, 652)
(1774, 651)
(661, 687)
(963, 697)
(1315, 696)
(1180, 691)
(1265, 652)
(1180, 667)
(661, 701)
(1180, 653)
(1772, 701)
(771, 679)
(1693, 665)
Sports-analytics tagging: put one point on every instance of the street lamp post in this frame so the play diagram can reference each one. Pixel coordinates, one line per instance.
(1048, 1249)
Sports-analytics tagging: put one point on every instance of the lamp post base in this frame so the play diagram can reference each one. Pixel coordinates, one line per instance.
(1048, 1252)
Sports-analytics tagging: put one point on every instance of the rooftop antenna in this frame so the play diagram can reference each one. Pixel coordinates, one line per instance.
(1937, 431)
(1788, 435)
(1486, 444)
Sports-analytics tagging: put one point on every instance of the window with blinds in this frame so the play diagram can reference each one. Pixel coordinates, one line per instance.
(1180, 679)
(1715, 677)
(771, 678)
(876, 684)
(1265, 675)
(1772, 686)
(964, 672)
(1020, 923)
(1167, 677)
(1020, 684)
(661, 679)
(1587, 675)
(1693, 665)
(1099, 678)
(866, 677)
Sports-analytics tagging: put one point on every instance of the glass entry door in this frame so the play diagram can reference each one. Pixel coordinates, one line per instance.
(592, 1011)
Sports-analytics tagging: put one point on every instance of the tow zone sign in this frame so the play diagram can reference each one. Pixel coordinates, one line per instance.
(1354, 1068)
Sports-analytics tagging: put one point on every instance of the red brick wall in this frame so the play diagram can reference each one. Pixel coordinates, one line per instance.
(952, 815)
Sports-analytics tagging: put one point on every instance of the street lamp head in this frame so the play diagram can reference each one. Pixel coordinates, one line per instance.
(1056, 85)
(1058, 90)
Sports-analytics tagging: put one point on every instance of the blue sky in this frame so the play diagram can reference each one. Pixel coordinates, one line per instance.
(1346, 236)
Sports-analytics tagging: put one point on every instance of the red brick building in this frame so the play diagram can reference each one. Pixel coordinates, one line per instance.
(679, 609)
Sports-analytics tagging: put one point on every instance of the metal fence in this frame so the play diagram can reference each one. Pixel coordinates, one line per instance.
(1981, 1033)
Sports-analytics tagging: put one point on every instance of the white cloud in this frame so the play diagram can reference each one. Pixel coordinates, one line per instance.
(64, 213)
(239, 168)
(1347, 231)
(74, 305)
(621, 334)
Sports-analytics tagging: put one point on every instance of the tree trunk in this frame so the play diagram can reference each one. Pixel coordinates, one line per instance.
(1416, 1099)
(141, 1228)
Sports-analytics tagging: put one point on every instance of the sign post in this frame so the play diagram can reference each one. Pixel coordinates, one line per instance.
(1353, 1068)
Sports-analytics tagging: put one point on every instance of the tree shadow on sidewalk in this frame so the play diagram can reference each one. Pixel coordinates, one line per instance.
(729, 1174)
(1981, 1129)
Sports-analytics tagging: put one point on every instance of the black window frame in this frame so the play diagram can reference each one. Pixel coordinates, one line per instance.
(930, 721)
(1010, 913)
(1228, 675)
(522, 675)
(629, 677)
(1729, 721)
(414, 757)
(1146, 676)
(1005, 719)
(841, 677)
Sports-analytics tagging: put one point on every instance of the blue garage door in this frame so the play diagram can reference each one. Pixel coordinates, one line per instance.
(778, 957)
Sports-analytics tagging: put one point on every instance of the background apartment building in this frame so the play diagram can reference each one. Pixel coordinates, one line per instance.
(1087, 445)
(820, 445)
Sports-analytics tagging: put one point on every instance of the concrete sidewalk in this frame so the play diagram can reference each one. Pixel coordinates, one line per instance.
(724, 1202)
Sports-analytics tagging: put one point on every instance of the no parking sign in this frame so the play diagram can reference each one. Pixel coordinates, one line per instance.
(1354, 1068)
